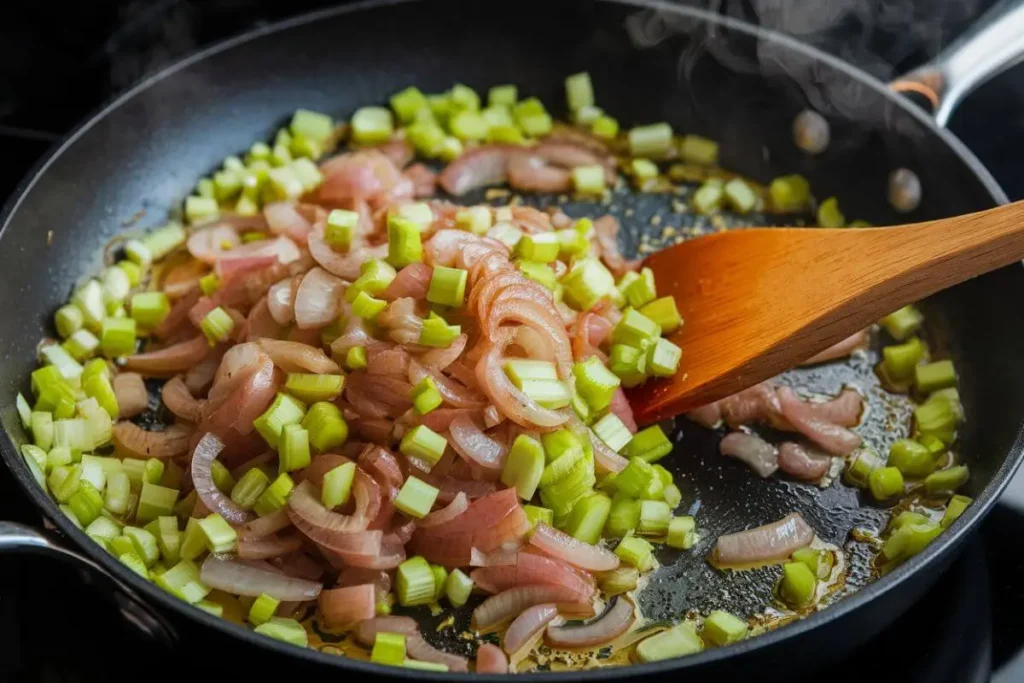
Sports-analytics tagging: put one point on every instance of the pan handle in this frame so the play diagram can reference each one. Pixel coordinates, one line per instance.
(994, 43)
(18, 538)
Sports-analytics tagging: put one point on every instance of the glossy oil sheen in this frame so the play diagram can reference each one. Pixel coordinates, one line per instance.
(144, 153)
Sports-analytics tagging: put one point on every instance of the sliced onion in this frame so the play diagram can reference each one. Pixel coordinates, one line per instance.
(439, 359)
(491, 660)
(280, 301)
(803, 463)
(131, 394)
(612, 623)
(344, 607)
(451, 391)
(295, 357)
(265, 525)
(200, 376)
(382, 465)
(446, 514)
(416, 647)
(620, 407)
(206, 451)
(170, 360)
(384, 361)
(497, 609)
(235, 402)
(495, 558)
(773, 542)
(831, 437)
(572, 550)
(210, 244)
(179, 400)
(527, 626)
(512, 402)
(265, 548)
(480, 167)
(316, 300)
(530, 569)
(132, 441)
(841, 349)
(424, 180)
(606, 231)
(242, 578)
(283, 218)
(176, 319)
(235, 265)
(306, 506)
(472, 444)
(355, 576)
(413, 281)
(758, 454)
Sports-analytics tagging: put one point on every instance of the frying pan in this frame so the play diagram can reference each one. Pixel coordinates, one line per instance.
(139, 156)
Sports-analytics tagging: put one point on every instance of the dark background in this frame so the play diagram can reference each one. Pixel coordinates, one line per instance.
(59, 62)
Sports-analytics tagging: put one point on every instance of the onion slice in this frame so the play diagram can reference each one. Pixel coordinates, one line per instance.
(491, 660)
(475, 446)
(773, 542)
(316, 299)
(344, 607)
(265, 548)
(132, 441)
(243, 578)
(612, 623)
(499, 608)
(170, 360)
(208, 448)
(446, 514)
(527, 625)
(132, 397)
(574, 551)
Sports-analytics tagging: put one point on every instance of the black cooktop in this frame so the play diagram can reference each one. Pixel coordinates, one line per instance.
(57, 65)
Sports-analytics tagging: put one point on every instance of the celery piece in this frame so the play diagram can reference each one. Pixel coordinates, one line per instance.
(103, 529)
(539, 248)
(337, 485)
(217, 325)
(307, 173)
(663, 358)
(416, 497)
(326, 426)
(499, 118)
(911, 458)
(182, 581)
(507, 234)
(144, 543)
(474, 219)
(275, 497)
(618, 581)
(149, 309)
(636, 552)
(81, 345)
(709, 197)
(829, 215)
(286, 630)
(523, 370)
(451, 148)
(447, 286)
(900, 360)
(938, 417)
(425, 396)
(535, 125)
(118, 491)
(947, 480)
(135, 563)
(311, 124)
(283, 411)
(169, 538)
(538, 515)
(863, 462)
(579, 92)
(798, 584)
(468, 126)
(655, 516)
(524, 466)
(909, 540)
(635, 329)
(44, 461)
(587, 115)
(722, 628)
(438, 334)
(817, 560)
(885, 482)
(538, 272)
(588, 518)
(739, 196)
(86, 503)
(956, 506)
(200, 209)
(605, 127)
(388, 648)
(42, 429)
(414, 582)
(209, 284)
(355, 358)
(408, 103)
(58, 357)
(678, 641)
(934, 376)
(648, 444)
(458, 587)
(404, 243)
(427, 138)
(213, 608)
(294, 448)
(612, 431)
(310, 388)
(562, 495)
(588, 179)
(262, 609)
(682, 533)
(502, 95)
(423, 443)
(571, 242)
(652, 141)
(553, 394)
(698, 150)
(340, 228)
(623, 517)
(790, 193)
(117, 337)
(155, 501)
(595, 383)
(634, 480)
(586, 283)
(219, 536)
(100, 388)
(640, 290)
(902, 323)
(643, 171)
(250, 487)
(89, 300)
(561, 466)
(371, 125)
(68, 319)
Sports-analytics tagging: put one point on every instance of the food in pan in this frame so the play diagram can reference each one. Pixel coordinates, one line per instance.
(328, 390)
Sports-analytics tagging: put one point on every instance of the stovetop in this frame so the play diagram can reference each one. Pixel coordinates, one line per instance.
(56, 66)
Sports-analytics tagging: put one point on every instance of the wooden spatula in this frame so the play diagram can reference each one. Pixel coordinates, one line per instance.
(759, 301)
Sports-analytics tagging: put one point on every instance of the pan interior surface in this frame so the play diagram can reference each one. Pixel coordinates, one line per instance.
(129, 167)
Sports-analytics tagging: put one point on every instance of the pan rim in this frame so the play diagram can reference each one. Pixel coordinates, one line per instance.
(938, 550)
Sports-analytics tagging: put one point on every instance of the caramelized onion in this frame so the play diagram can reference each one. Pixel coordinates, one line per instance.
(170, 360)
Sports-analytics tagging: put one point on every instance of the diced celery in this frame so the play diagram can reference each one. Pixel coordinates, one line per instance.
(294, 448)
(283, 411)
(934, 376)
(790, 193)
(371, 125)
(286, 630)
(722, 628)
(275, 497)
(636, 552)
(652, 141)
(416, 497)
(903, 322)
(698, 150)
(798, 584)
(588, 518)
(423, 443)
(829, 215)
(588, 179)
(219, 536)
